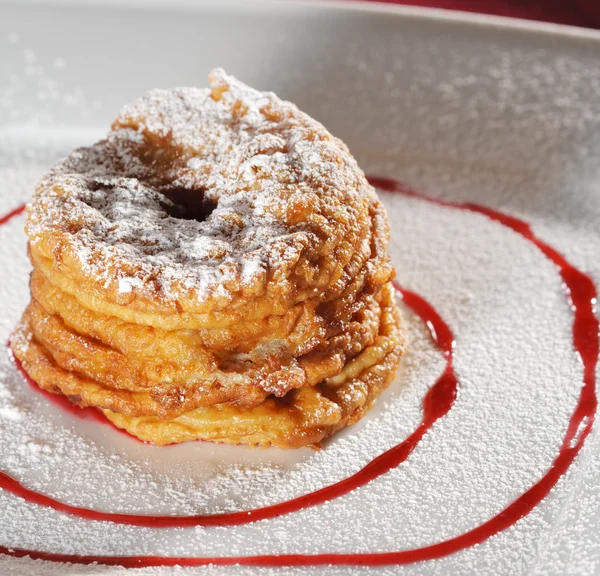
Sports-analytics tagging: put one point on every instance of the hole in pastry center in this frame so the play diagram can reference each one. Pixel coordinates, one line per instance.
(187, 204)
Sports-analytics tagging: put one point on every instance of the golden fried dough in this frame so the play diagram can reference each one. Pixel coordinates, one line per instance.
(302, 417)
(217, 269)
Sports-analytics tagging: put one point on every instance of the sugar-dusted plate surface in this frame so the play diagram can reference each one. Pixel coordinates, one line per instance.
(501, 116)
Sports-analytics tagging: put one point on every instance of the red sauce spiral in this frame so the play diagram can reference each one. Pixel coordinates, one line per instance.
(438, 401)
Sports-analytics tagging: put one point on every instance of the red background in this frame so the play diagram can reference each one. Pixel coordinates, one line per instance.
(575, 12)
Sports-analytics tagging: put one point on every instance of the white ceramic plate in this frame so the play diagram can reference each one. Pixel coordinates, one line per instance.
(465, 109)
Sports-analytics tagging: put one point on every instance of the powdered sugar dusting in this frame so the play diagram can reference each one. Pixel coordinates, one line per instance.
(245, 158)
(10, 414)
(126, 284)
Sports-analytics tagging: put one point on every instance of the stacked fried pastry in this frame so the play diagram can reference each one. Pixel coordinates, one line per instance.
(215, 269)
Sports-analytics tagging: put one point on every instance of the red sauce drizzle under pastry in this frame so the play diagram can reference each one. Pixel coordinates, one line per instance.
(8, 217)
(582, 294)
(62, 402)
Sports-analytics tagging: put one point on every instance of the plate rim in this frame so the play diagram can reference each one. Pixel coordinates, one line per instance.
(423, 13)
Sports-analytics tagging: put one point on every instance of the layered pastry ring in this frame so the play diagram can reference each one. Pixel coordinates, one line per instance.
(215, 269)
